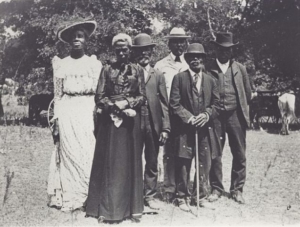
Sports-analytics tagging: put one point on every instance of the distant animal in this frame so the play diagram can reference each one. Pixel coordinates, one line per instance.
(286, 104)
(38, 103)
(265, 104)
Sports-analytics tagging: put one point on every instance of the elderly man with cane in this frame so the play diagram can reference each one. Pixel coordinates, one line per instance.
(194, 103)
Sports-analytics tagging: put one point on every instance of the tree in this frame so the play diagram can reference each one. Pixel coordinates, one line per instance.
(271, 30)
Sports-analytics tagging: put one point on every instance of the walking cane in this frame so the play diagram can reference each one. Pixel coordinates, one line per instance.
(197, 171)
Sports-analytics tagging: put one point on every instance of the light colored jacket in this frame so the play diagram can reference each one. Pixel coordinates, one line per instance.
(170, 68)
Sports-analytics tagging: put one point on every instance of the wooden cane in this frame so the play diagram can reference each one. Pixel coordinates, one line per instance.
(197, 170)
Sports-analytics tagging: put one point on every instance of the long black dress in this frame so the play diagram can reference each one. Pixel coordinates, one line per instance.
(116, 184)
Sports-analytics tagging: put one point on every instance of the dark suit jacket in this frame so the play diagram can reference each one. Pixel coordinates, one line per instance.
(182, 110)
(157, 99)
(242, 84)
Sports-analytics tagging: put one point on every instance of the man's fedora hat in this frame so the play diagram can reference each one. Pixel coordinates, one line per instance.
(64, 33)
(224, 39)
(142, 40)
(195, 49)
(176, 33)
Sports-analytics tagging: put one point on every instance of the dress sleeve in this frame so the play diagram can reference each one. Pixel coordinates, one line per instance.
(101, 97)
(96, 69)
(58, 84)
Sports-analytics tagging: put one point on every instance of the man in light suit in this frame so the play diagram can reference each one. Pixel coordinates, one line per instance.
(155, 116)
(170, 66)
(194, 103)
(235, 95)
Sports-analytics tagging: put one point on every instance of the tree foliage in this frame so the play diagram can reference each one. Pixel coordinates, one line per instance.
(267, 30)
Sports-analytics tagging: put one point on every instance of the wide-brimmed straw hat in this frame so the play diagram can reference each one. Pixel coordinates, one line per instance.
(195, 49)
(177, 33)
(224, 39)
(64, 33)
(142, 40)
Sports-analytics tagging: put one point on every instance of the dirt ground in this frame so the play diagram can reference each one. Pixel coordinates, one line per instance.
(271, 192)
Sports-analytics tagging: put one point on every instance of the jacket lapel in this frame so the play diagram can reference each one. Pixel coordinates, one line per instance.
(189, 86)
(205, 88)
(215, 69)
(150, 74)
(234, 68)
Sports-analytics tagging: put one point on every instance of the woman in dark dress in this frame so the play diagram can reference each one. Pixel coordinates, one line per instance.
(116, 184)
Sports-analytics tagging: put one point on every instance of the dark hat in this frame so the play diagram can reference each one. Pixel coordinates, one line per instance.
(195, 48)
(177, 33)
(224, 39)
(64, 33)
(142, 40)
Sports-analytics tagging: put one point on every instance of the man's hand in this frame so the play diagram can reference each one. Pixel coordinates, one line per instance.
(163, 138)
(200, 120)
(121, 104)
(99, 111)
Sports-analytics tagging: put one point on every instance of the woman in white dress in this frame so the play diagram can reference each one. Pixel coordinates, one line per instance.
(75, 80)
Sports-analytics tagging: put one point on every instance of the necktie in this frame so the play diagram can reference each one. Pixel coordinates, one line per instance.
(177, 59)
(196, 77)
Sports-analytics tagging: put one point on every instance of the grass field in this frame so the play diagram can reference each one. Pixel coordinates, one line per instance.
(271, 191)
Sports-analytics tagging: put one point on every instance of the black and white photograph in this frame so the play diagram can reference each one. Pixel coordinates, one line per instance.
(149, 112)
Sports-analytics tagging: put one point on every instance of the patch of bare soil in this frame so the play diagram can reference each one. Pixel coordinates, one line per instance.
(271, 192)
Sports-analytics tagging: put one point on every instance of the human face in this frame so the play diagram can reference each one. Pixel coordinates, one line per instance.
(195, 61)
(78, 40)
(143, 55)
(122, 51)
(223, 54)
(177, 46)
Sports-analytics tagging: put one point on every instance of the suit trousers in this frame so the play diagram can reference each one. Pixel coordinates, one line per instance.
(169, 168)
(182, 172)
(150, 140)
(234, 125)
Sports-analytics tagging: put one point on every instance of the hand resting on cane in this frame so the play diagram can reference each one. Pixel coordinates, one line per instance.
(199, 120)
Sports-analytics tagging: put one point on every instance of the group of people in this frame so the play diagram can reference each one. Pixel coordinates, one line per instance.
(106, 117)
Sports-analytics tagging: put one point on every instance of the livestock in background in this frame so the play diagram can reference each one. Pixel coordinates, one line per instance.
(286, 104)
(265, 104)
(38, 103)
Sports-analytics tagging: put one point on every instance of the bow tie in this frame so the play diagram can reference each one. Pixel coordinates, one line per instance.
(177, 59)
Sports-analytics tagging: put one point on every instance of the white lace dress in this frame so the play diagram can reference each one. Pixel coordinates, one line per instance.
(75, 82)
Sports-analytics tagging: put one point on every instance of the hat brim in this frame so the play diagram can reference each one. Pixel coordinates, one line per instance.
(146, 45)
(89, 27)
(194, 53)
(224, 44)
(177, 37)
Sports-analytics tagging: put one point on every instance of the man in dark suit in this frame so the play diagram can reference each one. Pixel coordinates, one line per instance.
(155, 115)
(235, 94)
(194, 103)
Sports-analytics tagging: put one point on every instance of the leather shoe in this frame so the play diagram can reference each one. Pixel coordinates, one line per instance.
(214, 196)
(169, 197)
(238, 197)
(135, 220)
(206, 204)
(183, 205)
(152, 204)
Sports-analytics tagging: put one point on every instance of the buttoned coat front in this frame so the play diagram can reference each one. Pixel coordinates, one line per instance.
(241, 83)
(181, 98)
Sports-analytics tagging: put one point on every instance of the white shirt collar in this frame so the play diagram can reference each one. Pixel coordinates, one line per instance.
(181, 57)
(224, 66)
(193, 73)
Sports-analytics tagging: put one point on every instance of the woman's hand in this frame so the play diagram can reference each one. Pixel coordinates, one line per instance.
(122, 105)
(55, 132)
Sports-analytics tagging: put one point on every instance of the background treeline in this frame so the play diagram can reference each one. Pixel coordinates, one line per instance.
(268, 32)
